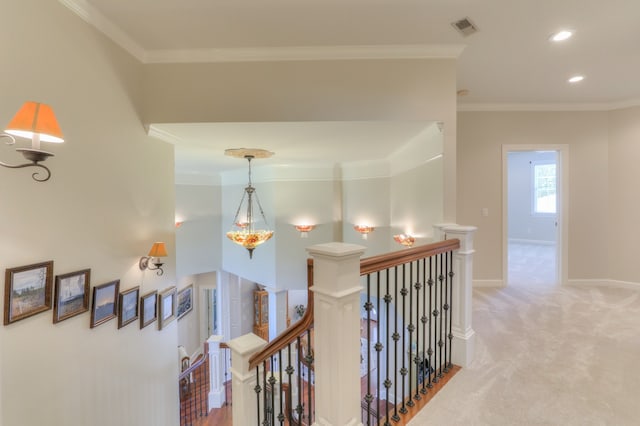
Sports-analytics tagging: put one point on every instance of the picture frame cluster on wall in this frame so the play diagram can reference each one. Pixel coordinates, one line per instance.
(30, 290)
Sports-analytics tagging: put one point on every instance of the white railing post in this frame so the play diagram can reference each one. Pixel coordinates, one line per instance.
(216, 382)
(243, 380)
(336, 289)
(463, 334)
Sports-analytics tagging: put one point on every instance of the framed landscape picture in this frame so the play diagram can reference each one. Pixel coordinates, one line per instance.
(128, 306)
(185, 301)
(71, 295)
(27, 291)
(166, 307)
(148, 308)
(105, 303)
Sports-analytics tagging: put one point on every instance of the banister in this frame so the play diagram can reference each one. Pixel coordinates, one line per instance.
(199, 361)
(388, 260)
(286, 338)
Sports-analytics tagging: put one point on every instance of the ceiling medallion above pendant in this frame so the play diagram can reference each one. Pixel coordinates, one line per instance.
(247, 230)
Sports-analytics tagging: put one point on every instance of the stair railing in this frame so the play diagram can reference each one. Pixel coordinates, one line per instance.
(284, 368)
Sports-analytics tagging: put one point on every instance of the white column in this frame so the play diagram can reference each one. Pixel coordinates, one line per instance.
(244, 380)
(463, 334)
(277, 312)
(336, 289)
(438, 231)
(216, 381)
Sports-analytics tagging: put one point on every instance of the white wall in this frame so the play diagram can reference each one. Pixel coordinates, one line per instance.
(199, 238)
(349, 90)
(111, 196)
(480, 138)
(624, 204)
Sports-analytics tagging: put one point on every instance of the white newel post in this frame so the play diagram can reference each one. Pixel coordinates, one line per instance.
(243, 379)
(336, 291)
(463, 334)
(217, 394)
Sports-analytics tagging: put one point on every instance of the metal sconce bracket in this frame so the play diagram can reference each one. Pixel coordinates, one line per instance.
(33, 155)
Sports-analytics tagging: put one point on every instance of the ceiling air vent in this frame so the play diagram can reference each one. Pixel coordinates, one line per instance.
(465, 27)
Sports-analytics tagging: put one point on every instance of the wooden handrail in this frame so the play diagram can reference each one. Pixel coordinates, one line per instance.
(292, 333)
(200, 361)
(389, 260)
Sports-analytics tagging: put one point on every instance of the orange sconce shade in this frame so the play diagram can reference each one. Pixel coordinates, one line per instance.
(158, 250)
(35, 118)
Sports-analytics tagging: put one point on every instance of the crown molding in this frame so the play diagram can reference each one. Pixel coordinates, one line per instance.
(92, 16)
(163, 135)
(305, 53)
(294, 53)
(595, 106)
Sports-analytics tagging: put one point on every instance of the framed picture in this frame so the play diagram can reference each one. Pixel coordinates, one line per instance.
(167, 307)
(148, 308)
(185, 301)
(27, 291)
(71, 295)
(105, 303)
(128, 306)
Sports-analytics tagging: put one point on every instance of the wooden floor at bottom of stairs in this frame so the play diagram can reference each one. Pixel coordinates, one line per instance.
(222, 416)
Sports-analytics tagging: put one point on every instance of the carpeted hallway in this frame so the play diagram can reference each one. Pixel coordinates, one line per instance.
(547, 355)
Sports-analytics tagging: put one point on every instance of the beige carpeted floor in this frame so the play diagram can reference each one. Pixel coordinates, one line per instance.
(547, 355)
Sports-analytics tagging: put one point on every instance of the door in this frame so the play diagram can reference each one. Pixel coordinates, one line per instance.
(533, 200)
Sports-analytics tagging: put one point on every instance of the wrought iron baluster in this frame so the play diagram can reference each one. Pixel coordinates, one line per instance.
(309, 359)
(433, 264)
(258, 389)
(272, 385)
(425, 368)
(450, 335)
(440, 341)
(378, 348)
(289, 372)
(418, 286)
(265, 395)
(299, 408)
(367, 307)
(396, 337)
(446, 311)
(281, 414)
(410, 329)
(387, 382)
(403, 370)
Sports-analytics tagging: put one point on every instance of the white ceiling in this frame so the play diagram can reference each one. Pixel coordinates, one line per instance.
(508, 64)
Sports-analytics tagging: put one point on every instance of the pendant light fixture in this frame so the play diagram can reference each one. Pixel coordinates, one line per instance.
(248, 230)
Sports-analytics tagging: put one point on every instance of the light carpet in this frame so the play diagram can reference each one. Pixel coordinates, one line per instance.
(547, 355)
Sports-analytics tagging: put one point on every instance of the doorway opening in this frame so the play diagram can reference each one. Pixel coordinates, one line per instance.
(534, 194)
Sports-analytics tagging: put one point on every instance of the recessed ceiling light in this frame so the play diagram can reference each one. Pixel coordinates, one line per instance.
(561, 35)
(576, 79)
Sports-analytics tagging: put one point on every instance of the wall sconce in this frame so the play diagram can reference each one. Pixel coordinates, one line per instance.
(38, 122)
(364, 230)
(404, 239)
(157, 251)
(304, 230)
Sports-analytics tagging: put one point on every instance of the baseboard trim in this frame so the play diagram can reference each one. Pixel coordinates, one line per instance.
(488, 284)
(604, 283)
